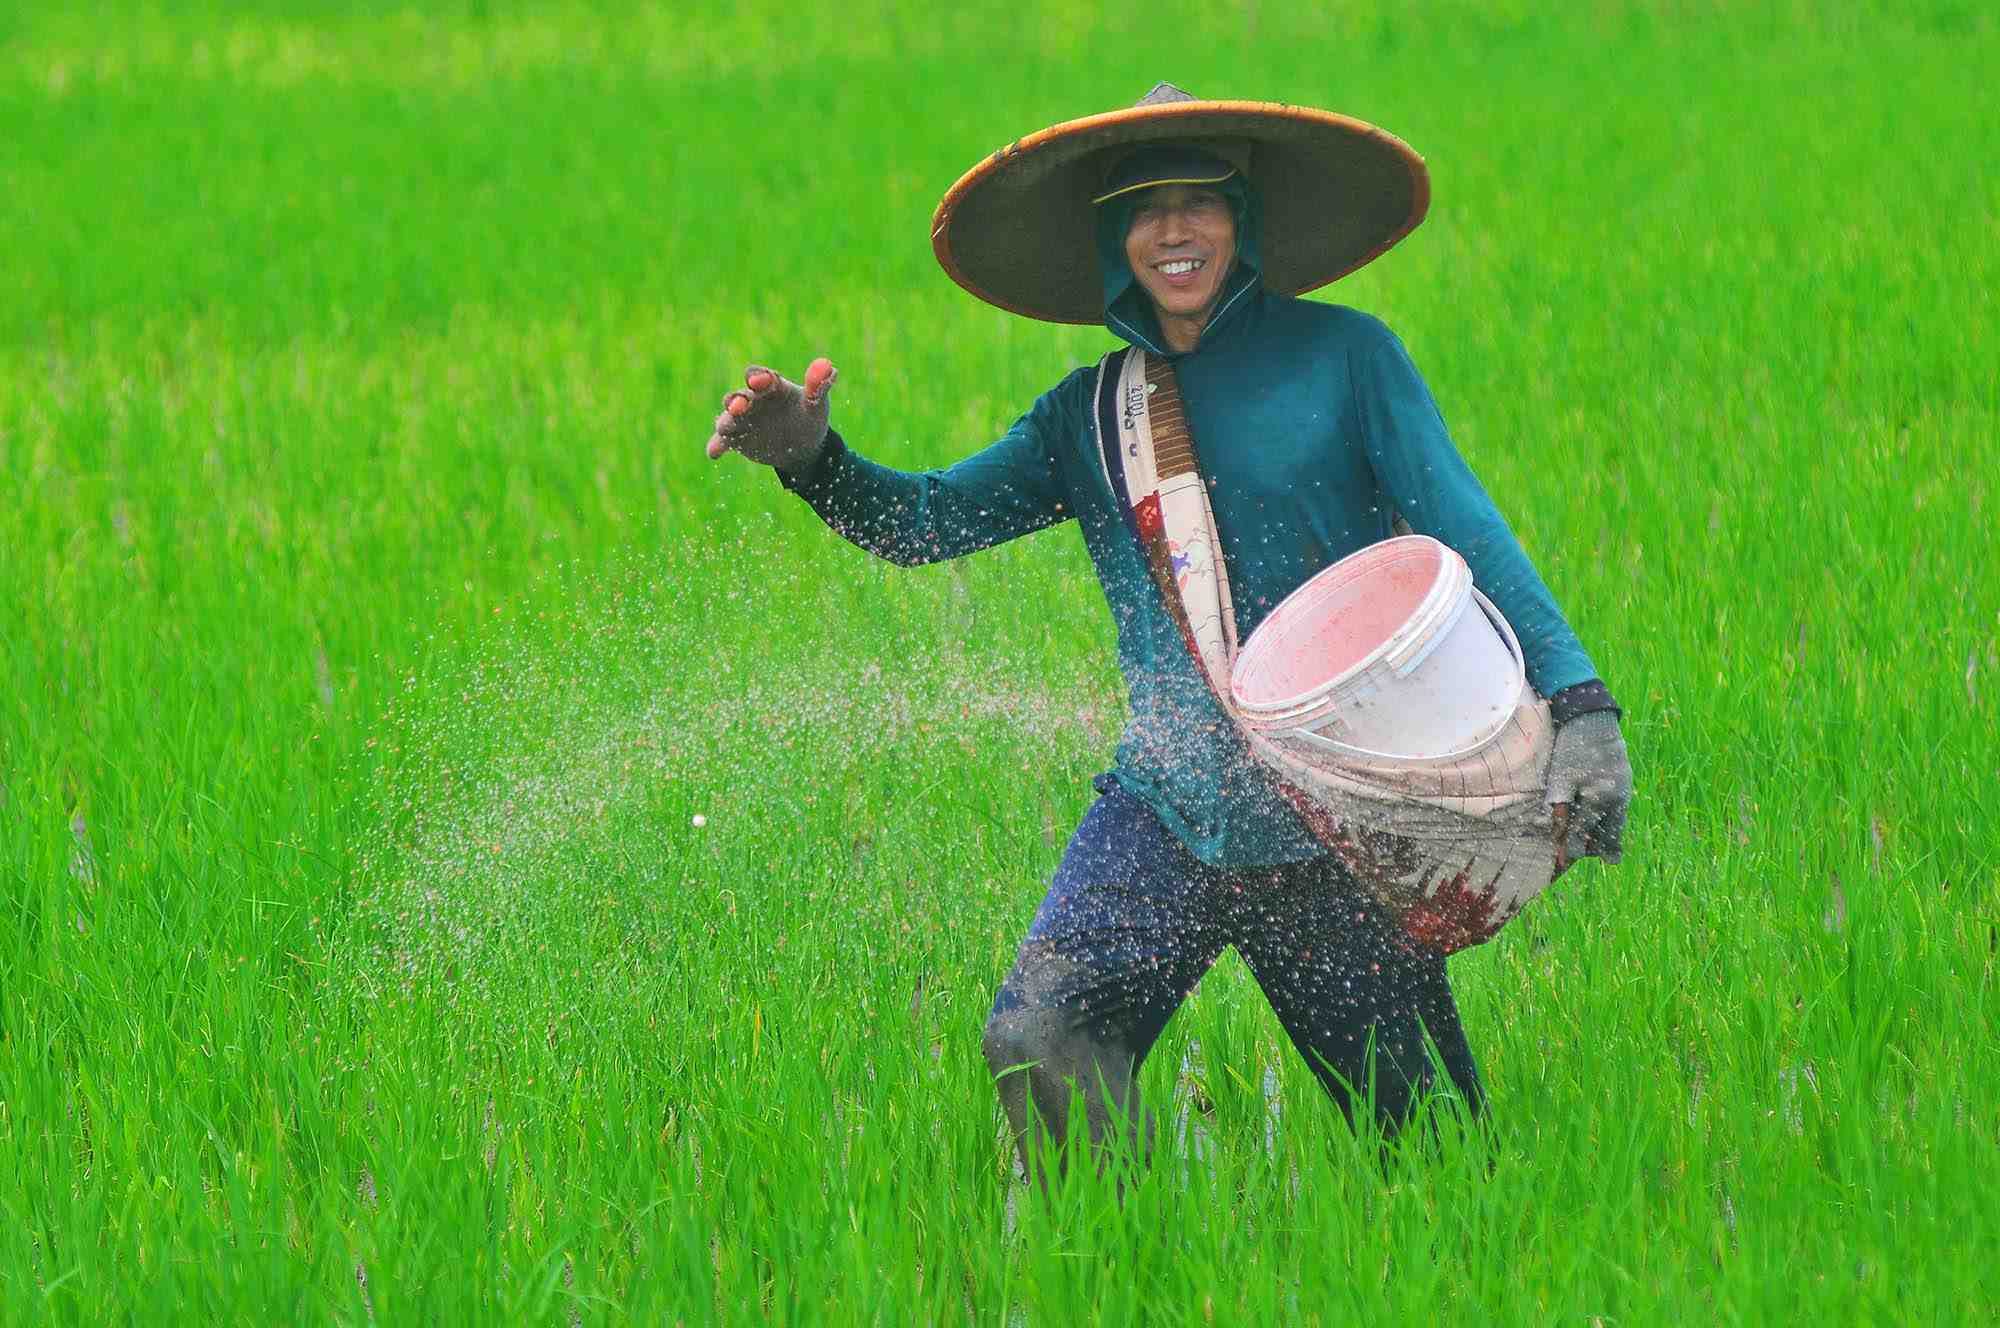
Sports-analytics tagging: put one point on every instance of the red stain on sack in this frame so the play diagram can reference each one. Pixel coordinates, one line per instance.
(1453, 916)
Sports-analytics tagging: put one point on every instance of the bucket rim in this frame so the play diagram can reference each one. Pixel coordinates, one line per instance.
(1522, 693)
(1403, 648)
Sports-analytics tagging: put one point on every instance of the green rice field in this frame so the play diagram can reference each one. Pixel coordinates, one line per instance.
(372, 630)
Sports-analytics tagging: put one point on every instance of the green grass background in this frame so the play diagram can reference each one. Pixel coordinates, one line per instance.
(371, 628)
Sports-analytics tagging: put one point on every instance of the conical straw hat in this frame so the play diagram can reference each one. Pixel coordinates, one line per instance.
(1019, 229)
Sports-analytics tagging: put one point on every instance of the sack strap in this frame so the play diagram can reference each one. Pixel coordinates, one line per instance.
(1453, 847)
(1148, 454)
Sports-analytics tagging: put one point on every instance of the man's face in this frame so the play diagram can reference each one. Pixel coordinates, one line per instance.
(1181, 245)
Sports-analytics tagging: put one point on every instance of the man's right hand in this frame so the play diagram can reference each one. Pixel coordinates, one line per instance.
(773, 420)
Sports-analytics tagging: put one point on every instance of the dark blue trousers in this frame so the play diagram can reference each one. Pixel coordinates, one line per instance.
(1133, 920)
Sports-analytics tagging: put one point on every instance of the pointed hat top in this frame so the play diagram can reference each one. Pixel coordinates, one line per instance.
(1165, 92)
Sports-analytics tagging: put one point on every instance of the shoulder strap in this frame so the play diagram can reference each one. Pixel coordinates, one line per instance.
(1149, 461)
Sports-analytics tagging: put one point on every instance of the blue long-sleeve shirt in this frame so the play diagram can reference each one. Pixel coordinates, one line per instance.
(1313, 429)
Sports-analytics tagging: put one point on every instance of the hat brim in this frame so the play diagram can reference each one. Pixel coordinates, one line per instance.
(1018, 230)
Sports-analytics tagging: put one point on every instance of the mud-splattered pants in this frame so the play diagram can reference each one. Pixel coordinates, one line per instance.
(1131, 923)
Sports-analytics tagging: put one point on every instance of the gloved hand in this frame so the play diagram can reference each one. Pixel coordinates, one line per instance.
(773, 420)
(1590, 774)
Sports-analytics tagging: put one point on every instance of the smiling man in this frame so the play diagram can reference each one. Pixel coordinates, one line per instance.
(1188, 228)
(1181, 246)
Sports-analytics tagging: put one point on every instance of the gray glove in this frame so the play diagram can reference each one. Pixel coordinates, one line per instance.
(1591, 775)
(773, 420)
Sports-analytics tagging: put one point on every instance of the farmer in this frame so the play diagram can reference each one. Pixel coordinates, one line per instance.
(1187, 228)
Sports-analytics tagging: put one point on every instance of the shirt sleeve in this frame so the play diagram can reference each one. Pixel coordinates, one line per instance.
(1421, 472)
(1010, 488)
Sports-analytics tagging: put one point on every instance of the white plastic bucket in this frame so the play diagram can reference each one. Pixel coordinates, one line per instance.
(1390, 652)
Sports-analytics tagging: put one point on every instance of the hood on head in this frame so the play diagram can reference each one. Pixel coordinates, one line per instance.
(1127, 311)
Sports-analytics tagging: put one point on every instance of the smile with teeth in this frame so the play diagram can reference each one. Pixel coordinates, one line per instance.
(1181, 266)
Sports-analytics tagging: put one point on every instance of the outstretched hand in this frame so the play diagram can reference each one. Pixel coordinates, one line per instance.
(774, 421)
